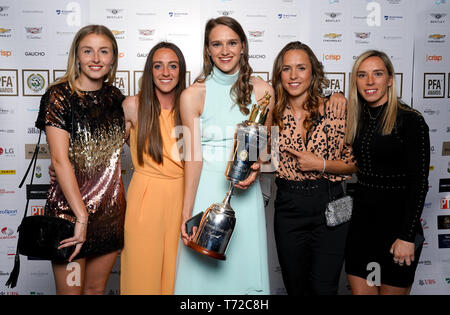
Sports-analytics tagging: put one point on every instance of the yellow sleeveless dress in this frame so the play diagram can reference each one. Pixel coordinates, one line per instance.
(153, 217)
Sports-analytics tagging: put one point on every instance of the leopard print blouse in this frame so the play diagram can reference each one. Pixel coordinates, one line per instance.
(316, 143)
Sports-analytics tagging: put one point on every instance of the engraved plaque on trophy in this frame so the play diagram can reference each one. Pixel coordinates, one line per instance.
(218, 221)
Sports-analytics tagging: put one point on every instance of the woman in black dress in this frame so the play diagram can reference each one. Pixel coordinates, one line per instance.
(392, 149)
(82, 116)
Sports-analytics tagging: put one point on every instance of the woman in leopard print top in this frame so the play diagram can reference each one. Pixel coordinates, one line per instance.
(312, 160)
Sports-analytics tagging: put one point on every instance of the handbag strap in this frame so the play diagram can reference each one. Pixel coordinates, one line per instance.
(14, 275)
(32, 163)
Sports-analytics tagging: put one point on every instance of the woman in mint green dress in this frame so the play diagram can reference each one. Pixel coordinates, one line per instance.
(210, 109)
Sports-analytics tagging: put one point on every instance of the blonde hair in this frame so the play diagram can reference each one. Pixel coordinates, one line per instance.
(356, 102)
(73, 70)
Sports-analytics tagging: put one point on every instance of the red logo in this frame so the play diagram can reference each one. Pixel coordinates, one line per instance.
(37, 210)
(445, 203)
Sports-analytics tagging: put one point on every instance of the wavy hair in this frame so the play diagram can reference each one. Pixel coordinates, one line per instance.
(356, 101)
(73, 69)
(148, 131)
(241, 91)
(315, 90)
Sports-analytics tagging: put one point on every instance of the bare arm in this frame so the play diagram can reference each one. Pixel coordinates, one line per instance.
(308, 161)
(58, 141)
(191, 105)
(130, 109)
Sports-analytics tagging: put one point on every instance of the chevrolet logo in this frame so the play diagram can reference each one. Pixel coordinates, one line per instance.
(332, 35)
(436, 36)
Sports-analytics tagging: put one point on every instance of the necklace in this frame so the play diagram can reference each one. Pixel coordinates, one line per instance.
(378, 114)
(294, 113)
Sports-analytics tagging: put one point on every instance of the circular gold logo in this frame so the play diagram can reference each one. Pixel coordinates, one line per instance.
(243, 155)
(36, 82)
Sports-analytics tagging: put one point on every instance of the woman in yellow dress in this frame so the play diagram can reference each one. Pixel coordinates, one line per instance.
(155, 194)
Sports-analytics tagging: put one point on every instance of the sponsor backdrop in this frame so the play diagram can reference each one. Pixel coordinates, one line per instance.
(34, 41)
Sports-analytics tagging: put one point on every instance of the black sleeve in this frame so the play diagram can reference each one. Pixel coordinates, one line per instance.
(54, 110)
(417, 160)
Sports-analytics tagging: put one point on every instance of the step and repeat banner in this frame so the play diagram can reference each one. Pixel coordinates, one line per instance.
(35, 37)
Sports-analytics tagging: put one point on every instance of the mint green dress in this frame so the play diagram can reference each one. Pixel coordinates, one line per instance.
(245, 270)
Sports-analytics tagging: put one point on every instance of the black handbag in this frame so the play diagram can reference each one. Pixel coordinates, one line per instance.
(39, 236)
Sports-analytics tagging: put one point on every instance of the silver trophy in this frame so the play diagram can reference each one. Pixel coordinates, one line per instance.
(218, 221)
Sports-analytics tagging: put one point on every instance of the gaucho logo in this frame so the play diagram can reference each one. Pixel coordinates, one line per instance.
(257, 56)
(34, 53)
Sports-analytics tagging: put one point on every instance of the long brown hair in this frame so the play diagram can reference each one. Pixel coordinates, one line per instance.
(148, 131)
(356, 101)
(241, 91)
(318, 82)
(73, 69)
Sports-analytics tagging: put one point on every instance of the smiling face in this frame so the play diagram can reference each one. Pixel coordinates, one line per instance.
(95, 57)
(373, 81)
(296, 73)
(225, 48)
(166, 70)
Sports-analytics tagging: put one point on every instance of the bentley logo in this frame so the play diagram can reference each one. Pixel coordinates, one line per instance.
(438, 16)
(115, 11)
(333, 15)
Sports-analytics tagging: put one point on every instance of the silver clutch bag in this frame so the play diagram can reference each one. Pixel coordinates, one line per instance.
(339, 211)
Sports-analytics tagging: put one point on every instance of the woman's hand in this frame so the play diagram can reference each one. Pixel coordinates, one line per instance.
(79, 237)
(403, 252)
(307, 161)
(338, 105)
(185, 236)
(254, 173)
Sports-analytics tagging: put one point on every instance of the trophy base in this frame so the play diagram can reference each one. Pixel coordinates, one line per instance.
(205, 251)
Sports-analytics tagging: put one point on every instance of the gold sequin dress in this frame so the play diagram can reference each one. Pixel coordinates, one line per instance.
(96, 126)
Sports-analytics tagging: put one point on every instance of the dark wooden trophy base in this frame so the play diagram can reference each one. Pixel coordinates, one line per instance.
(205, 251)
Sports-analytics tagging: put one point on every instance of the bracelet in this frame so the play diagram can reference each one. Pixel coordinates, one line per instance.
(324, 165)
(78, 221)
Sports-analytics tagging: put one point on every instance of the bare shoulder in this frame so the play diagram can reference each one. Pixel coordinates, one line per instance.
(260, 87)
(130, 107)
(193, 98)
(130, 103)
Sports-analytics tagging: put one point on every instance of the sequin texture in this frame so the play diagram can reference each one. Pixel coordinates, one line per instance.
(95, 123)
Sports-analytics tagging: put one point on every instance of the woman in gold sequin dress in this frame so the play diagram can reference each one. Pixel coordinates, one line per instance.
(82, 116)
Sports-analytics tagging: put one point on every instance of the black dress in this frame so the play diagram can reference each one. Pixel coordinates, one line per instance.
(96, 126)
(390, 194)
